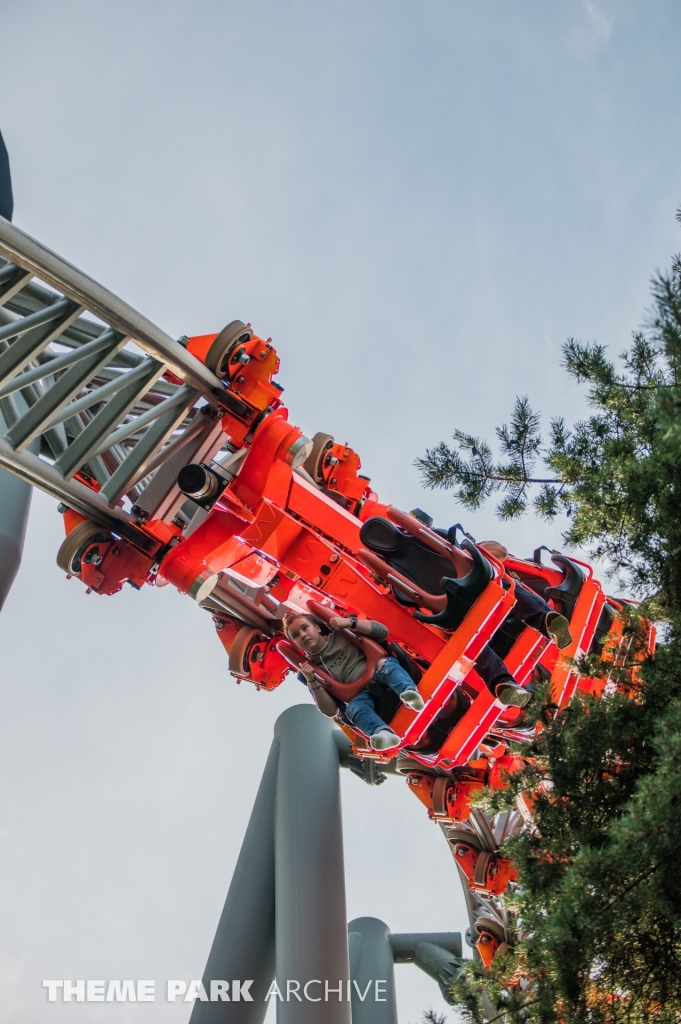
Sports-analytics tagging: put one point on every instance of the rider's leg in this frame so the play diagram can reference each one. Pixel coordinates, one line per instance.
(361, 713)
(390, 673)
(535, 612)
(499, 680)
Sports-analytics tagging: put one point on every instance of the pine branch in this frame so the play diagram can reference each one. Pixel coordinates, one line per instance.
(470, 471)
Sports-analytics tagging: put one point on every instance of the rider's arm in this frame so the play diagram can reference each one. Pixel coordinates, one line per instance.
(322, 698)
(367, 627)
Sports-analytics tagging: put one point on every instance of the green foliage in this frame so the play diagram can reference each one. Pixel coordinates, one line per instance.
(598, 899)
(617, 474)
(470, 470)
(433, 1017)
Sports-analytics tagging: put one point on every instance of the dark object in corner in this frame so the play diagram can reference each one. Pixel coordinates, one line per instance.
(6, 198)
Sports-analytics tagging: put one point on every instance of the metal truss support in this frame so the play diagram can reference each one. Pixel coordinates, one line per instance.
(109, 415)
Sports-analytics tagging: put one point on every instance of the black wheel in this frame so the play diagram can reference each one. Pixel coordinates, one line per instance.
(74, 544)
(228, 340)
(315, 460)
(463, 836)
(242, 644)
(489, 925)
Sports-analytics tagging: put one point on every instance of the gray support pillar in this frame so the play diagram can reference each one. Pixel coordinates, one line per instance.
(311, 928)
(371, 961)
(243, 947)
(438, 954)
(15, 502)
(404, 944)
(6, 198)
(440, 965)
(15, 495)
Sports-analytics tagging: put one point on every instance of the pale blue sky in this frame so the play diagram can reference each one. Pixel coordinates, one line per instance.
(419, 201)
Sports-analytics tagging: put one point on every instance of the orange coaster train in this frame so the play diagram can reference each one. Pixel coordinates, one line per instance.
(270, 521)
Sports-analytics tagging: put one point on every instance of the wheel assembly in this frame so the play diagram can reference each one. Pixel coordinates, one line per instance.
(75, 543)
(225, 349)
(242, 646)
(314, 463)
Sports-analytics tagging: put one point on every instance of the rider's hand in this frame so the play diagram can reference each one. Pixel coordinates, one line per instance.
(337, 623)
(308, 671)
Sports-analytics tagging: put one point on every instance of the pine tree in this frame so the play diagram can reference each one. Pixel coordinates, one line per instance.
(616, 474)
(599, 896)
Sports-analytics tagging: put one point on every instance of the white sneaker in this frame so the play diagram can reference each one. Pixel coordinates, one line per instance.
(512, 696)
(413, 699)
(384, 739)
(558, 628)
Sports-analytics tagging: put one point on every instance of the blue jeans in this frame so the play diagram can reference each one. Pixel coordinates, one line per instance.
(361, 712)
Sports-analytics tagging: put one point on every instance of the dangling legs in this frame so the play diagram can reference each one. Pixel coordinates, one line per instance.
(535, 612)
(390, 673)
(361, 713)
(499, 680)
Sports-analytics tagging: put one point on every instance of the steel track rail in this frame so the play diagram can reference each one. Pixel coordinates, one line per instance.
(38, 473)
(25, 252)
(104, 413)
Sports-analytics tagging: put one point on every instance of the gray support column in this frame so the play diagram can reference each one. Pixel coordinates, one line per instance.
(438, 954)
(439, 964)
(311, 928)
(6, 199)
(15, 502)
(371, 961)
(243, 947)
(15, 495)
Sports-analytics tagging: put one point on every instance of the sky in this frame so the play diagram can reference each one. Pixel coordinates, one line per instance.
(419, 201)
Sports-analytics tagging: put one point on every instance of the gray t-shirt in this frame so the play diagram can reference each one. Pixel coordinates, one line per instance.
(342, 658)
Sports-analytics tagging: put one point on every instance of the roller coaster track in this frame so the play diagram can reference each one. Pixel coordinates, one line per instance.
(99, 385)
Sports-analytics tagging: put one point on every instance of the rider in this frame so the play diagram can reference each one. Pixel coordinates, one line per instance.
(343, 659)
(533, 611)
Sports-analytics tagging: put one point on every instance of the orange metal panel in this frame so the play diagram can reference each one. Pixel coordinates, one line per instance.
(564, 679)
(321, 512)
(454, 661)
(467, 733)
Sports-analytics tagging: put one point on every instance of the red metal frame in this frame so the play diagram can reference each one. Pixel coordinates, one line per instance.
(273, 528)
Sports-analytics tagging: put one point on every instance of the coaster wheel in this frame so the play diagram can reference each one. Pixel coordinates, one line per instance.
(75, 543)
(463, 836)
(240, 651)
(487, 925)
(230, 338)
(314, 462)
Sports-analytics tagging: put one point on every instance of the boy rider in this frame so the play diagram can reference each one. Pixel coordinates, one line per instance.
(343, 659)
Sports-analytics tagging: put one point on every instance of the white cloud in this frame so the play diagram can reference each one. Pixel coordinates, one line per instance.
(592, 32)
